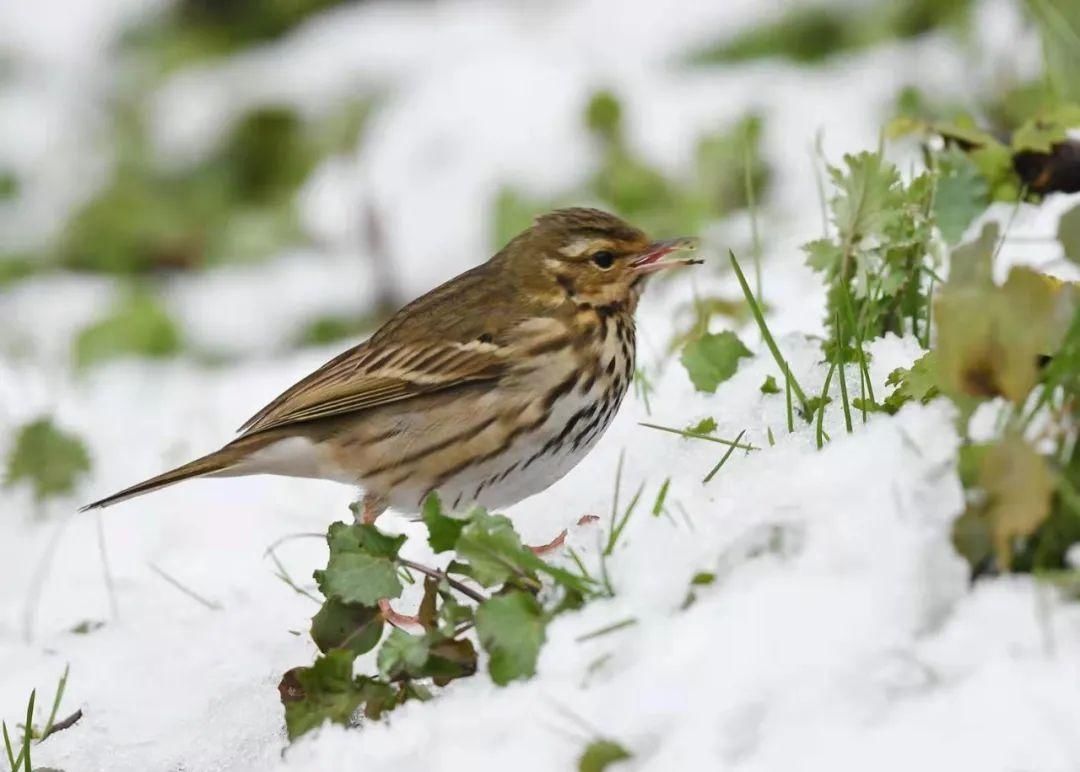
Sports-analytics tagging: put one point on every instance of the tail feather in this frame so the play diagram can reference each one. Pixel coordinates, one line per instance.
(212, 463)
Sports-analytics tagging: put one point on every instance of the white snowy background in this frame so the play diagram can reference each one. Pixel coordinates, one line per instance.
(841, 633)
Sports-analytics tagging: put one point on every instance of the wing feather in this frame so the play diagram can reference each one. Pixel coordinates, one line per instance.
(369, 376)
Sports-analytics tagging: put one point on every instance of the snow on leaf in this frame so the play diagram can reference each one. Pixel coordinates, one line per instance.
(49, 459)
(918, 383)
(511, 630)
(712, 359)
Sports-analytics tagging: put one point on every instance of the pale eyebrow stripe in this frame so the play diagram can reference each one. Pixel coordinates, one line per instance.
(581, 246)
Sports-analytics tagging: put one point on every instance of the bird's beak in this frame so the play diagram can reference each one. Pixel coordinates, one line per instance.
(652, 259)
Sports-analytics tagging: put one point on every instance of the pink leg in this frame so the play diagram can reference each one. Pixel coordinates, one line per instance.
(551, 546)
(373, 507)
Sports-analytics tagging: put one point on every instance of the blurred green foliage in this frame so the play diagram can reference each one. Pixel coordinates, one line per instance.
(1059, 27)
(137, 325)
(236, 205)
(629, 185)
(9, 184)
(47, 458)
(192, 30)
(812, 33)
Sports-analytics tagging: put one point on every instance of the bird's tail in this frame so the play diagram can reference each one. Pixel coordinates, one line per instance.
(218, 462)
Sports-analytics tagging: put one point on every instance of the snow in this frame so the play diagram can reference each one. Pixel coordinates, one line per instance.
(841, 632)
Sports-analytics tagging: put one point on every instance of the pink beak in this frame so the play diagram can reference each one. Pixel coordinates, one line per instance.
(652, 259)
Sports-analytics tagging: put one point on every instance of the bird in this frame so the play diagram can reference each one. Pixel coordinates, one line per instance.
(486, 390)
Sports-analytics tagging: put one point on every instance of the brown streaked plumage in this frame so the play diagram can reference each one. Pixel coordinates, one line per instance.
(487, 389)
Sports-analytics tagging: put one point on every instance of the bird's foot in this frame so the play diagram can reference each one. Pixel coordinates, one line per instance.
(558, 541)
(551, 546)
(388, 614)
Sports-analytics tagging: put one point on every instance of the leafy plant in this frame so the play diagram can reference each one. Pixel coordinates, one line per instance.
(493, 584)
(812, 33)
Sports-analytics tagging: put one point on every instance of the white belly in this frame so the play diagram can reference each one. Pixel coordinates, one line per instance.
(539, 459)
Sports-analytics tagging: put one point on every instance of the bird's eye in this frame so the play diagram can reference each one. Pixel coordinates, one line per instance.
(604, 259)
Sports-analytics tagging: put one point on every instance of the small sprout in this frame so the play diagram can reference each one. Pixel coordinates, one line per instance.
(599, 755)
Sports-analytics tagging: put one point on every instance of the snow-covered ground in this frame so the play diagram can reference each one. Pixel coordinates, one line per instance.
(841, 633)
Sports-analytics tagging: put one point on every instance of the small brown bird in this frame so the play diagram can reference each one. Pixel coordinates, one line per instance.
(486, 390)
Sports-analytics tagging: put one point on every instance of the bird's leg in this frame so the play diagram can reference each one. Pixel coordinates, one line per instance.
(559, 540)
(551, 546)
(372, 507)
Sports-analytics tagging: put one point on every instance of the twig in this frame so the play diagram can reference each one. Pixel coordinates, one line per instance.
(464, 589)
(61, 725)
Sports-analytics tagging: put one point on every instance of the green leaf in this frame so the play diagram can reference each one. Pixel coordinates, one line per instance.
(351, 626)
(769, 386)
(326, 691)
(1041, 133)
(1019, 487)
(973, 263)
(918, 383)
(990, 338)
(49, 459)
(704, 426)
(492, 548)
(865, 199)
(363, 537)
(823, 255)
(712, 359)
(601, 754)
(402, 653)
(361, 569)
(1069, 234)
(138, 326)
(443, 531)
(962, 194)
(511, 630)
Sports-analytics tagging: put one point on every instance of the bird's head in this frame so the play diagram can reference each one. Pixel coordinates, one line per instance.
(588, 256)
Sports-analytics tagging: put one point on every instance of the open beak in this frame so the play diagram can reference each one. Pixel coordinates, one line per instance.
(652, 259)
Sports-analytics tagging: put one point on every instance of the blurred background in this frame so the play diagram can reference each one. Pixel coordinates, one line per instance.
(231, 179)
(203, 200)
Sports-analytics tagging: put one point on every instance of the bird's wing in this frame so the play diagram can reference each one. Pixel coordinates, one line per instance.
(380, 373)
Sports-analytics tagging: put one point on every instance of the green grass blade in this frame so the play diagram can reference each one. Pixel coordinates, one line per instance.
(696, 436)
(13, 763)
(661, 497)
(29, 734)
(787, 397)
(56, 702)
(727, 455)
(751, 205)
(843, 383)
(821, 410)
(766, 335)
